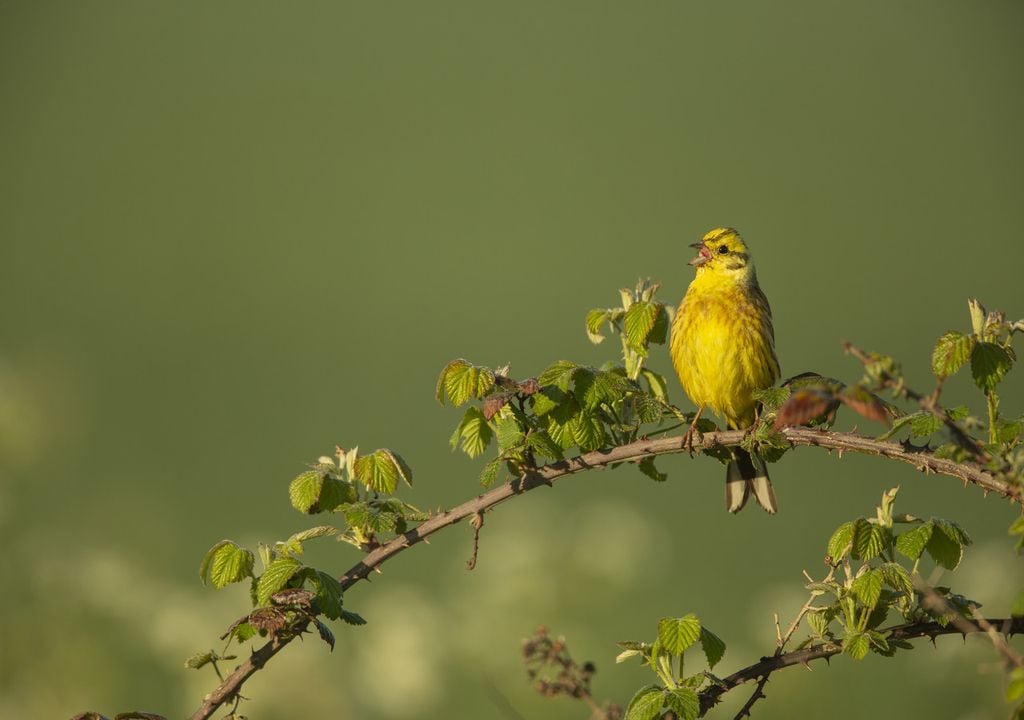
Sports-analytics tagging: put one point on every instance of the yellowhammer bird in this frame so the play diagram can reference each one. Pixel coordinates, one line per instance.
(723, 349)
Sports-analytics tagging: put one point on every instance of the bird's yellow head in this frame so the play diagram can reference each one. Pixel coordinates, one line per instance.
(721, 250)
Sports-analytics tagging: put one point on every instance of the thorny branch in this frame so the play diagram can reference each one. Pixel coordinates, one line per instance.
(636, 451)
(760, 670)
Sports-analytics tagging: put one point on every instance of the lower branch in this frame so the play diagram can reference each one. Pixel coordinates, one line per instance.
(599, 459)
(760, 670)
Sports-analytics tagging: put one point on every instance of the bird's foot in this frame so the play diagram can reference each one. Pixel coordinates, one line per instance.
(693, 433)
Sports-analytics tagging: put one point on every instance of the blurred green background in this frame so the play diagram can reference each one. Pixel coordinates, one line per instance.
(234, 234)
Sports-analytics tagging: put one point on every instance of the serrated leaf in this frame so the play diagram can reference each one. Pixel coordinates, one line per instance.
(328, 594)
(626, 655)
(540, 442)
(199, 660)
(508, 431)
(313, 533)
(559, 374)
(226, 563)
(380, 471)
(659, 333)
(868, 587)
(474, 432)
(304, 490)
(463, 381)
(594, 388)
(547, 399)
(989, 364)
(923, 424)
(677, 634)
(772, 398)
(646, 704)
(856, 645)
(840, 542)
(945, 545)
(656, 384)
(352, 618)
(275, 577)
(325, 632)
(897, 577)
(638, 323)
(912, 543)
(646, 466)
(587, 431)
(595, 319)
(490, 472)
(819, 623)
(683, 702)
(714, 647)
(951, 352)
(868, 539)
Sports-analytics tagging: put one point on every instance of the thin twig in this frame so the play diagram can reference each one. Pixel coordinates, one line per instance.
(546, 475)
(932, 600)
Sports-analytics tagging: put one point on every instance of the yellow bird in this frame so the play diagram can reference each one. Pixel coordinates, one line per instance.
(723, 349)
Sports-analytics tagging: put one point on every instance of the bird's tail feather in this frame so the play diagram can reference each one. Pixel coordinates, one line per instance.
(748, 474)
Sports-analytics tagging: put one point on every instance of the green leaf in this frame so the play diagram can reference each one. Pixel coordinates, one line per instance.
(646, 704)
(304, 490)
(334, 492)
(595, 319)
(677, 634)
(294, 543)
(638, 323)
(462, 381)
(659, 333)
(490, 472)
(819, 622)
(226, 563)
(328, 593)
(856, 645)
(646, 466)
(275, 577)
(587, 431)
(989, 364)
(714, 647)
(868, 587)
(594, 388)
(946, 545)
(840, 542)
(868, 539)
(508, 431)
(559, 374)
(923, 424)
(352, 618)
(200, 659)
(539, 441)
(683, 702)
(546, 400)
(325, 632)
(912, 543)
(381, 470)
(897, 577)
(772, 398)
(951, 352)
(656, 384)
(474, 432)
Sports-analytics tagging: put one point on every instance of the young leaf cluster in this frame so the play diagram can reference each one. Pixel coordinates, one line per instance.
(568, 405)
(675, 692)
(870, 578)
(287, 593)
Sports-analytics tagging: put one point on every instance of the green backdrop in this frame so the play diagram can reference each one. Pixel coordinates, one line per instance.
(234, 234)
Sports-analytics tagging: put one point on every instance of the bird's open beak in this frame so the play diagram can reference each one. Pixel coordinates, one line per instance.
(703, 254)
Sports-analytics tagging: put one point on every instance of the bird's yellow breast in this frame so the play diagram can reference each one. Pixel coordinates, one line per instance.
(723, 346)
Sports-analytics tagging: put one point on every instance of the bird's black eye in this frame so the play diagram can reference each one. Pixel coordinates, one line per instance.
(722, 249)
